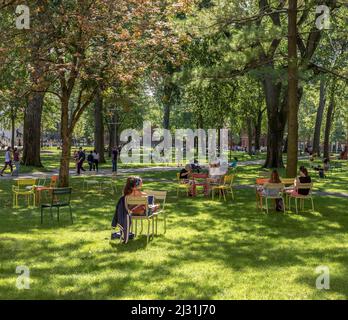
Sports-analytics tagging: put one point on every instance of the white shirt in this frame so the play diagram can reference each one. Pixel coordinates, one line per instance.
(96, 156)
(7, 156)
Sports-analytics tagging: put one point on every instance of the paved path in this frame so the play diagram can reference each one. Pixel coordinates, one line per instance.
(108, 173)
(125, 171)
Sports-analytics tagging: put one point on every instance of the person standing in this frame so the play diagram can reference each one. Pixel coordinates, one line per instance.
(81, 160)
(96, 158)
(114, 157)
(16, 161)
(8, 161)
(90, 160)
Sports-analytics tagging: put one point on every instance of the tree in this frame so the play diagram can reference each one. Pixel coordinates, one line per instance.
(291, 169)
(251, 37)
(329, 118)
(99, 125)
(93, 42)
(319, 118)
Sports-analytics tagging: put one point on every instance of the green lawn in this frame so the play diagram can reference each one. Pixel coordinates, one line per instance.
(212, 250)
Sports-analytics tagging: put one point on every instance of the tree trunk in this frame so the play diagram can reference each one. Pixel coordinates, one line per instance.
(167, 101)
(291, 168)
(329, 118)
(32, 130)
(250, 135)
(319, 119)
(66, 137)
(274, 147)
(99, 126)
(166, 116)
(277, 116)
(13, 128)
(112, 133)
(258, 127)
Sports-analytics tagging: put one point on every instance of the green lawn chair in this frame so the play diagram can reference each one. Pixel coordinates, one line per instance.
(60, 198)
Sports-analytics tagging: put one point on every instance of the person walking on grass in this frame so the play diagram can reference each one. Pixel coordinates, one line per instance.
(8, 161)
(16, 161)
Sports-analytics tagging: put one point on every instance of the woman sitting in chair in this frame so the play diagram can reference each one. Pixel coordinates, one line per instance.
(264, 192)
(133, 189)
(215, 175)
(185, 173)
(303, 178)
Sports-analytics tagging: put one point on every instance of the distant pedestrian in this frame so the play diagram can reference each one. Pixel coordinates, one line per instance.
(114, 157)
(90, 160)
(96, 158)
(76, 159)
(16, 161)
(8, 161)
(81, 160)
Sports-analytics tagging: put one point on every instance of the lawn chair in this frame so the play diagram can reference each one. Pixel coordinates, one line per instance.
(288, 181)
(60, 198)
(272, 191)
(90, 180)
(295, 195)
(225, 187)
(24, 187)
(182, 186)
(140, 201)
(110, 183)
(161, 196)
(40, 188)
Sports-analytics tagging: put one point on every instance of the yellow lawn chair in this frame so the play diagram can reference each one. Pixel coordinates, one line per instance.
(295, 195)
(140, 201)
(24, 187)
(90, 179)
(110, 183)
(161, 197)
(225, 187)
(288, 181)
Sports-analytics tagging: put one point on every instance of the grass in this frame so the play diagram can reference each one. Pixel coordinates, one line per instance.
(212, 249)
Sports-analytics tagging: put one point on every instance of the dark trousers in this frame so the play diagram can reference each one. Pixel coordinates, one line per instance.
(91, 164)
(80, 167)
(6, 165)
(114, 166)
(96, 165)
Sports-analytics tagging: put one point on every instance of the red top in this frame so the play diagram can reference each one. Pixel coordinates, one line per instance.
(16, 156)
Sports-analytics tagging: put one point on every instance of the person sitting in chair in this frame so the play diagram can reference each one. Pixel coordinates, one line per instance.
(234, 163)
(302, 178)
(215, 175)
(133, 189)
(186, 172)
(264, 192)
(195, 167)
(322, 170)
